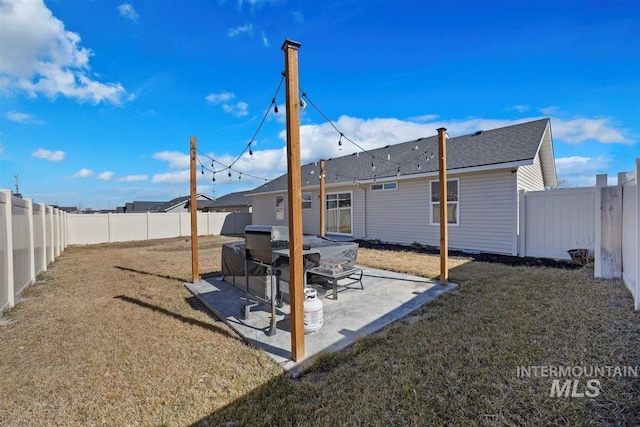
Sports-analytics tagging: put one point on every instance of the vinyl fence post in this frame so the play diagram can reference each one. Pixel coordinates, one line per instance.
(522, 226)
(7, 274)
(31, 242)
(601, 182)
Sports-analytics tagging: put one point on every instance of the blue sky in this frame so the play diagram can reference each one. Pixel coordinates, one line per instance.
(98, 99)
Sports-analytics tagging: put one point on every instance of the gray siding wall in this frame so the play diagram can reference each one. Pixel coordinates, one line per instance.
(264, 210)
(486, 208)
(530, 176)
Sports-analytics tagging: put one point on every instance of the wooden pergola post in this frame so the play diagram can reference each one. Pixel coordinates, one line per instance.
(194, 212)
(444, 219)
(323, 204)
(294, 183)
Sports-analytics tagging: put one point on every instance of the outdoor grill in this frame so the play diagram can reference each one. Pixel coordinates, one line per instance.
(261, 242)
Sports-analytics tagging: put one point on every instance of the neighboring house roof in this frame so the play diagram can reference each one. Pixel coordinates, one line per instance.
(184, 200)
(231, 199)
(507, 147)
(137, 206)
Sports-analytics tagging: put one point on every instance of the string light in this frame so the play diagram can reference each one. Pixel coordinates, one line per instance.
(340, 142)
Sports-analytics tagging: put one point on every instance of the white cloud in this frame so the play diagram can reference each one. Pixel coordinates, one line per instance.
(575, 131)
(133, 178)
(580, 171)
(518, 108)
(265, 40)
(105, 176)
(127, 11)
(245, 29)
(1, 150)
(298, 16)
(550, 111)
(39, 56)
(180, 176)
(23, 118)
(321, 141)
(176, 159)
(83, 173)
(52, 156)
(238, 109)
(219, 98)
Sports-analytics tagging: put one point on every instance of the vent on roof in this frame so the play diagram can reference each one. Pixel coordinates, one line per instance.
(387, 146)
(478, 133)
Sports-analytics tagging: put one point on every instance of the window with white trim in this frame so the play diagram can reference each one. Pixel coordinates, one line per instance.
(279, 207)
(306, 200)
(384, 186)
(453, 198)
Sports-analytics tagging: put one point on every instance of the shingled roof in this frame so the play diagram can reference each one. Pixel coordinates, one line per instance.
(509, 146)
(231, 199)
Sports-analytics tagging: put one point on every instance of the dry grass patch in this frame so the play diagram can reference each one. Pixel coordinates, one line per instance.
(110, 336)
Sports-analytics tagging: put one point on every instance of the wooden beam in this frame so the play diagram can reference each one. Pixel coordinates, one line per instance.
(294, 184)
(444, 222)
(323, 203)
(194, 213)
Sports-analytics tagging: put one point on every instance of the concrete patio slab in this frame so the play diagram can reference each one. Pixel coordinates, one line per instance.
(387, 297)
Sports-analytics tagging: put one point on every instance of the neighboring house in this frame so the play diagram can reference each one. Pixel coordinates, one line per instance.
(232, 202)
(179, 204)
(391, 193)
(137, 207)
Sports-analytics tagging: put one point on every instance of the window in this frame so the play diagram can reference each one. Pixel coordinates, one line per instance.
(385, 186)
(339, 213)
(306, 200)
(279, 207)
(452, 202)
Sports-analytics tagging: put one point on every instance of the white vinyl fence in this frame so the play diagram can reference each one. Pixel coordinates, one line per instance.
(631, 231)
(124, 227)
(554, 221)
(31, 236)
(604, 219)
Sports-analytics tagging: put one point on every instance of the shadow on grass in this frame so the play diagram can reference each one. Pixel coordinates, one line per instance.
(189, 320)
(162, 276)
(497, 312)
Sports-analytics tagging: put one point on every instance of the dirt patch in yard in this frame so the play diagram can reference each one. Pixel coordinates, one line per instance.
(466, 256)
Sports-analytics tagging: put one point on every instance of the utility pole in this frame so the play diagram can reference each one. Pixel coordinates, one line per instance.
(444, 220)
(294, 183)
(323, 204)
(194, 211)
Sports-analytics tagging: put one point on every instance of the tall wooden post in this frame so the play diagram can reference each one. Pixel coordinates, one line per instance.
(294, 182)
(444, 220)
(323, 203)
(194, 212)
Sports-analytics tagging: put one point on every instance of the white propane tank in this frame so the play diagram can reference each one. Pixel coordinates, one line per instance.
(312, 311)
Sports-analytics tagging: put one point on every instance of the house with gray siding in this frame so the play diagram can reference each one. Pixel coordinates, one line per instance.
(391, 193)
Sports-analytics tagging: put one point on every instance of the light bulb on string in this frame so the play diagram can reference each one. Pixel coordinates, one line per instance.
(229, 174)
(275, 108)
(214, 177)
(250, 152)
(373, 167)
(398, 171)
(240, 176)
(419, 166)
(340, 142)
(202, 170)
